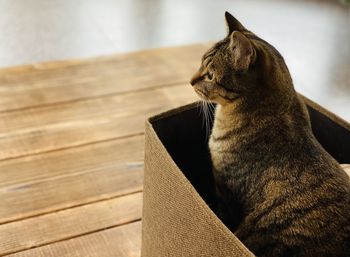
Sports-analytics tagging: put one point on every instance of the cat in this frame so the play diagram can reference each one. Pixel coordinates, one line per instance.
(278, 190)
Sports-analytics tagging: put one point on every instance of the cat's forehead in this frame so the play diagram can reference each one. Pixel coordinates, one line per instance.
(219, 49)
(214, 49)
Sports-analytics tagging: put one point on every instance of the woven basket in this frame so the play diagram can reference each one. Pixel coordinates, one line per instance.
(178, 199)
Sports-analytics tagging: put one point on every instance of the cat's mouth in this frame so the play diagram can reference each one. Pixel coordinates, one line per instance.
(201, 94)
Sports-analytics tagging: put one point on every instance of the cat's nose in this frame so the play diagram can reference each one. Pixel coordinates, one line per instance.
(196, 77)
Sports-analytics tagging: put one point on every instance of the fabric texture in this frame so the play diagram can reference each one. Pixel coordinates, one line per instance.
(177, 220)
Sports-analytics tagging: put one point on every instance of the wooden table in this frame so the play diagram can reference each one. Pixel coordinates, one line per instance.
(71, 158)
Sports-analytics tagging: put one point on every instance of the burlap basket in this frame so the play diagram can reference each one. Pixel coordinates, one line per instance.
(178, 199)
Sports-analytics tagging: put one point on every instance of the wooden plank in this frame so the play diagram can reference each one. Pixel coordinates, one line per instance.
(49, 83)
(61, 224)
(123, 241)
(65, 192)
(72, 177)
(54, 127)
(19, 172)
(58, 226)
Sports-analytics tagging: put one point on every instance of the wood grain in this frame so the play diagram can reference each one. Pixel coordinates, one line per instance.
(72, 149)
(37, 85)
(54, 127)
(61, 225)
(71, 161)
(22, 172)
(84, 180)
(123, 241)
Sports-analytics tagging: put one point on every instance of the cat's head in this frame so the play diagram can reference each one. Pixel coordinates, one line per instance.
(241, 66)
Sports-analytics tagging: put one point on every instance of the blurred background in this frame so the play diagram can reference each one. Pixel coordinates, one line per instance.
(312, 35)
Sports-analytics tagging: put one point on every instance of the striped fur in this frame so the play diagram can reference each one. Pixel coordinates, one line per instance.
(279, 191)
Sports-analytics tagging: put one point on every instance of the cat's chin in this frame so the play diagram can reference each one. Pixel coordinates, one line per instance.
(202, 95)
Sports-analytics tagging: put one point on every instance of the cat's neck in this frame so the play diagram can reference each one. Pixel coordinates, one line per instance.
(236, 115)
(239, 117)
(234, 130)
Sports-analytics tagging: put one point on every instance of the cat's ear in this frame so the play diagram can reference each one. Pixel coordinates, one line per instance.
(242, 51)
(233, 24)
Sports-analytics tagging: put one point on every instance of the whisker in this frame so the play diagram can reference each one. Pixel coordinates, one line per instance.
(208, 118)
(212, 111)
(205, 116)
(200, 107)
(207, 111)
(203, 113)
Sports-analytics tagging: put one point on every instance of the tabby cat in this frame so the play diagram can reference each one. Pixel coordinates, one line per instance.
(278, 190)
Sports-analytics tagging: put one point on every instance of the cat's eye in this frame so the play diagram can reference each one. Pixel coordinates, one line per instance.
(209, 75)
